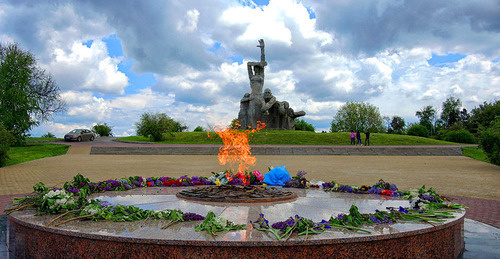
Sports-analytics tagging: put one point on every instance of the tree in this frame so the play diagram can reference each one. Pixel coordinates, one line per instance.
(483, 116)
(198, 129)
(103, 130)
(5, 140)
(427, 116)
(489, 140)
(154, 125)
(397, 125)
(303, 125)
(48, 135)
(357, 116)
(451, 111)
(27, 95)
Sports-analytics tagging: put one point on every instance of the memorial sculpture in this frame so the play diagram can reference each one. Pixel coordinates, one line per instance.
(264, 107)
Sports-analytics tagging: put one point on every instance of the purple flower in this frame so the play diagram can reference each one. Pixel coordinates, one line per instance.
(280, 225)
(105, 203)
(340, 216)
(401, 209)
(192, 216)
(375, 190)
(393, 188)
(301, 174)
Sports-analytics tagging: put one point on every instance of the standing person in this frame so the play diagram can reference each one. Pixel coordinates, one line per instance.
(358, 136)
(367, 139)
(353, 135)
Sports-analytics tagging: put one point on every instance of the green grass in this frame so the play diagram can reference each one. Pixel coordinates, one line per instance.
(475, 153)
(33, 151)
(285, 137)
(42, 139)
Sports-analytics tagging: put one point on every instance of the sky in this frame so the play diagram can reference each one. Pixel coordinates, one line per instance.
(115, 60)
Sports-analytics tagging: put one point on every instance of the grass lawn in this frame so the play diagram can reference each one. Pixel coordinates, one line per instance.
(34, 151)
(475, 153)
(42, 139)
(285, 137)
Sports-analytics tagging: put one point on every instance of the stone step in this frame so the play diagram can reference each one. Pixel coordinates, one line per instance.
(298, 151)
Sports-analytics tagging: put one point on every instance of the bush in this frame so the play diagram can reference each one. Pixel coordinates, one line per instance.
(303, 125)
(6, 139)
(198, 129)
(48, 135)
(489, 140)
(418, 130)
(460, 136)
(153, 125)
(103, 130)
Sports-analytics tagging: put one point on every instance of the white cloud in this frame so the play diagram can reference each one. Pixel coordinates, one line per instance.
(88, 68)
(190, 22)
(363, 50)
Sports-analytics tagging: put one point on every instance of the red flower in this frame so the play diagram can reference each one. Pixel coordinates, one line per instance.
(386, 192)
(149, 184)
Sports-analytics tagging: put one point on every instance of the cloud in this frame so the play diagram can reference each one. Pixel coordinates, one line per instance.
(88, 68)
(368, 27)
(364, 51)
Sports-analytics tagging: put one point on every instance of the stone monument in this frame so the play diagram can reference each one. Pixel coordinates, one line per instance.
(257, 106)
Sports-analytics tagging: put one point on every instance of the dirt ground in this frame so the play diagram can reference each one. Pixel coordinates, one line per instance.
(458, 175)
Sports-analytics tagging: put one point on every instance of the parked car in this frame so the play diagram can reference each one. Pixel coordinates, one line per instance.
(79, 135)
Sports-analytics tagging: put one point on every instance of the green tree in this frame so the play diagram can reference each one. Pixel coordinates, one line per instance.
(198, 129)
(27, 95)
(103, 130)
(357, 116)
(154, 125)
(303, 125)
(397, 125)
(418, 130)
(427, 116)
(5, 140)
(234, 124)
(489, 139)
(48, 135)
(483, 116)
(451, 111)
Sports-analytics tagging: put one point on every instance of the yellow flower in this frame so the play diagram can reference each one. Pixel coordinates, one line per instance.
(217, 182)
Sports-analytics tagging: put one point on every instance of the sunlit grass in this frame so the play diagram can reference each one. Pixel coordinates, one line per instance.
(475, 153)
(287, 137)
(33, 151)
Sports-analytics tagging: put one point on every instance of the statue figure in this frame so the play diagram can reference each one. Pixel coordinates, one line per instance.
(264, 107)
(244, 104)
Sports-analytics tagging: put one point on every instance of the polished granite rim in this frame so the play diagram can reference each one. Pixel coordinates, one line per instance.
(248, 237)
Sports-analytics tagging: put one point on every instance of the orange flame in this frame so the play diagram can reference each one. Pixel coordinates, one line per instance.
(236, 149)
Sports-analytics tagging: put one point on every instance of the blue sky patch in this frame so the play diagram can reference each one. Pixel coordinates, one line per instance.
(136, 82)
(444, 60)
(114, 46)
(312, 14)
(238, 59)
(88, 43)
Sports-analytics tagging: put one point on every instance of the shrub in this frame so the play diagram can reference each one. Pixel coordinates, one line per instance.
(460, 136)
(6, 139)
(303, 125)
(153, 125)
(48, 135)
(198, 129)
(103, 130)
(418, 130)
(489, 140)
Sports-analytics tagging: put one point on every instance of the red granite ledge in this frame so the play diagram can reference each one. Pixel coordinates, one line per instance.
(445, 243)
(16, 221)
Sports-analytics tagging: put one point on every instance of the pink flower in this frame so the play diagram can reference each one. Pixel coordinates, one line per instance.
(259, 176)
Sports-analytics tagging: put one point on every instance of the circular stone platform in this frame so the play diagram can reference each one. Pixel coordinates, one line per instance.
(237, 194)
(29, 237)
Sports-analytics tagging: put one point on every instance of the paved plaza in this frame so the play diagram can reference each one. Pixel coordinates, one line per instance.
(468, 181)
